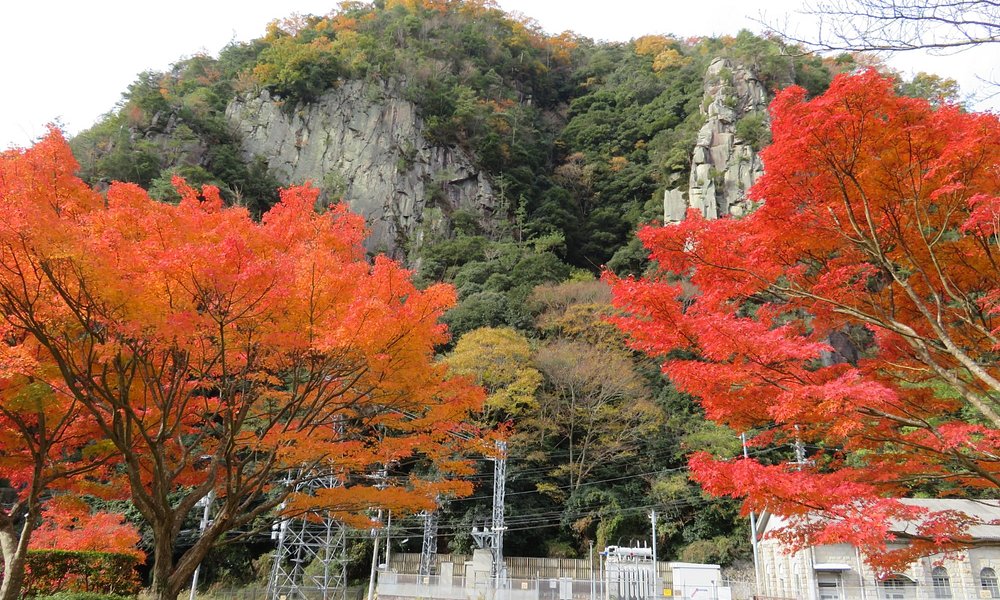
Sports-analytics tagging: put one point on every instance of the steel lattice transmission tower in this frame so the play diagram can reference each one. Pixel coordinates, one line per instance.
(428, 550)
(493, 537)
(315, 541)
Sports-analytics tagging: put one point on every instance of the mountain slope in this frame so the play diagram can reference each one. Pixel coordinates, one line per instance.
(513, 164)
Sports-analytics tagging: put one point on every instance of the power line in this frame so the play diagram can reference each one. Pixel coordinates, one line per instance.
(611, 479)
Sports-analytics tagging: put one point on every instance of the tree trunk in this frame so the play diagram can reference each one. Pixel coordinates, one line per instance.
(170, 577)
(163, 563)
(14, 549)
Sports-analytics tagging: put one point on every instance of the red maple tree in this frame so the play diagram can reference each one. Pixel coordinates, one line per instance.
(68, 523)
(215, 353)
(856, 311)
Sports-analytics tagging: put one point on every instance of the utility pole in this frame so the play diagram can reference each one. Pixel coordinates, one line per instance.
(371, 578)
(381, 476)
(753, 530)
(499, 493)
(656, 570)
(592, 587)
(800, 462)
(388, 539)
(207, 503)
(602, 564)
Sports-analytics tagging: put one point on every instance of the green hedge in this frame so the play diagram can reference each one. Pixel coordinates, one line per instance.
(81, 596)
(50, 572)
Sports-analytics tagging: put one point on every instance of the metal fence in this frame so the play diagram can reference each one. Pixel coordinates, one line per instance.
(399, 586)
(260, 593)
(433, 587)
(409, 562)
(518, 567)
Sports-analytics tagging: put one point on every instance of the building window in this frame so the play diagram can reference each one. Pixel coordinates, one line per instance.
(829, 586)
(894, 588)
(988, 580)
(942, 585)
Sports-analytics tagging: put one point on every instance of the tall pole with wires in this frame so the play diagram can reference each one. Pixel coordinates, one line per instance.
(753, 529)
(206, 504)
(388, 539)
(492, 537)
(591, 561)
(428, 549)
(656, 570)
(499, 493)
(376, 534)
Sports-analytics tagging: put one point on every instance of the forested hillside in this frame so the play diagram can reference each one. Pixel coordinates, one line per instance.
(576, 142)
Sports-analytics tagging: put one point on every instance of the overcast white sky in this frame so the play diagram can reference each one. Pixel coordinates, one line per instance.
(69, 61)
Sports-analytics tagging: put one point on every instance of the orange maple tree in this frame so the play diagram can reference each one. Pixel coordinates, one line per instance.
(48, 446)
(219, 354)
(856, 311)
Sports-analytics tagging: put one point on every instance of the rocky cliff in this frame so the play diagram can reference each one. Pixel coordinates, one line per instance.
(725, 162)
(364, 143)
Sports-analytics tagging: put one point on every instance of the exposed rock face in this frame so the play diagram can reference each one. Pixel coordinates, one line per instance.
(723, 166)
(366, 144)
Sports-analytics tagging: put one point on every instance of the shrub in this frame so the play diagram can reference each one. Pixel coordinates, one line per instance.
(51, 572)
(81, 596)
(754, 129)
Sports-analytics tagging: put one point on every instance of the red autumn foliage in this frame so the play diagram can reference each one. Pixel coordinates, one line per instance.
(50, 572)
(69, 524)
(878, 224)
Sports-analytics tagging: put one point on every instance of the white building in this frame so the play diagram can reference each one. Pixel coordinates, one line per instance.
(837, 571)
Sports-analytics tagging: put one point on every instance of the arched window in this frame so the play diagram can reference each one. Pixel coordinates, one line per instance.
(942, 584)
(988, 581)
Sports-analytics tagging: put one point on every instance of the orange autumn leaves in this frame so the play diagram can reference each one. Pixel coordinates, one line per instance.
(198, 347)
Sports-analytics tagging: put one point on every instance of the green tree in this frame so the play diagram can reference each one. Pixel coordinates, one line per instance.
(935, 89)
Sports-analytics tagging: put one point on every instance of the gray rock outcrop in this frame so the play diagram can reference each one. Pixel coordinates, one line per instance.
(723, 166)
(364, 143)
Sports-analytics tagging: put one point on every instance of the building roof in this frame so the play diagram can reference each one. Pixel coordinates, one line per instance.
(987, 511)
